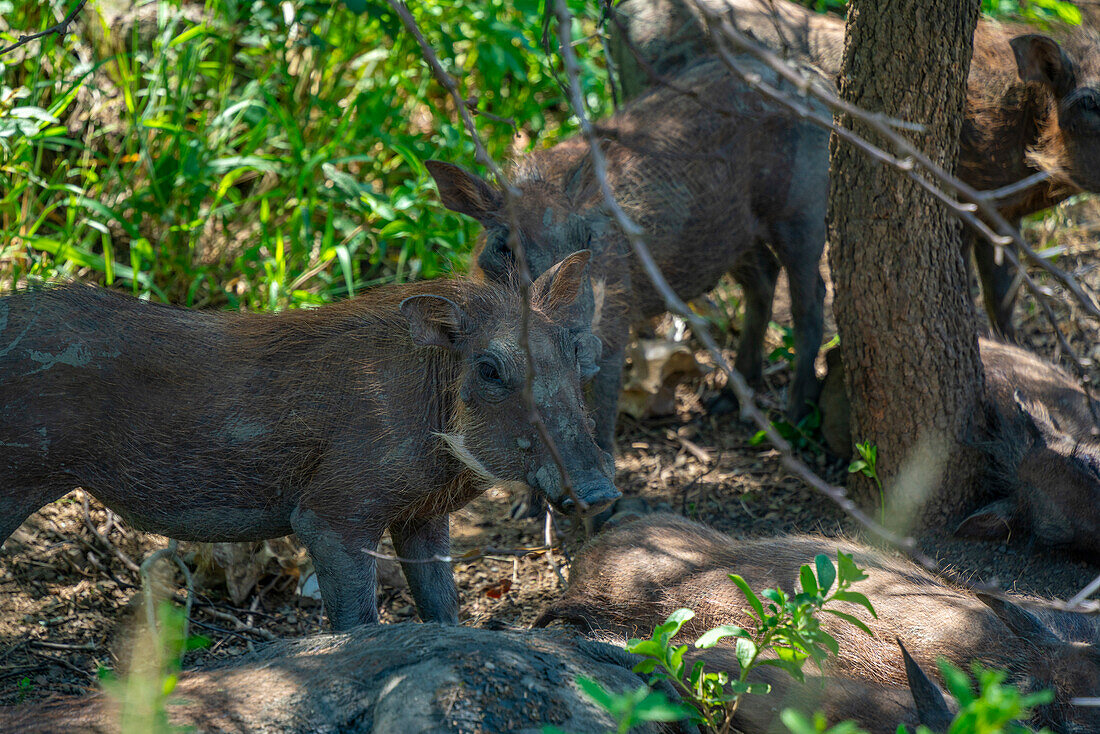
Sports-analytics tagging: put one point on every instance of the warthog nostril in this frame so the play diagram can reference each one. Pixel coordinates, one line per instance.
(596, 491)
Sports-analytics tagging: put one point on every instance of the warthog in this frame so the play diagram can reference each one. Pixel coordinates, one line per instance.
(384, 679)
(720, 179)
(630, 578)
(1043, 460)
(387, 411)
(1033, 102)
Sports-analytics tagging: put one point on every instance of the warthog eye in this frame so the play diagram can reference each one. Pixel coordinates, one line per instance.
(488, 372)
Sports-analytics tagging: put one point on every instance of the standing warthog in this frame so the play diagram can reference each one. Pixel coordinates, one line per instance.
(1033, 102)
(720, 179)
(630, 578)
(1043, 459)
(387, 411)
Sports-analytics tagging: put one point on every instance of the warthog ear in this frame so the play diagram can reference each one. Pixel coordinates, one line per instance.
(932, 710)
(434, 321)
(1023, 623)
(1041, 59)
(992, 522)
(465, 192)
(1037, 420)
(557, 288)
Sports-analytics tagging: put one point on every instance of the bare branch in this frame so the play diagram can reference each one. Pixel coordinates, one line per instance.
(465, 557)
(61, 29)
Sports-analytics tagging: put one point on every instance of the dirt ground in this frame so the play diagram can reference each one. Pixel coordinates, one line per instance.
(70, 591)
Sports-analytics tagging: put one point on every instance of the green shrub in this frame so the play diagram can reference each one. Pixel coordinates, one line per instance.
(257, 160)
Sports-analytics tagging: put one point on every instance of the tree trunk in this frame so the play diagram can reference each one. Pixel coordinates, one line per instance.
(906, 321)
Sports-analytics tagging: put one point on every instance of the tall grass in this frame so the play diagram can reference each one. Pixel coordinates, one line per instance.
(258, 154)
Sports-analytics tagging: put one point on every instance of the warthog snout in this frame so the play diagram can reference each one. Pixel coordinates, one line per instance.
(594, 489)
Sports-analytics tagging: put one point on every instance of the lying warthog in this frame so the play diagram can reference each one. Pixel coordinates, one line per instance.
(1032, 103)
(718, 177)
(384, 679)
(387, 411)
(1043, 461)
(629, 579)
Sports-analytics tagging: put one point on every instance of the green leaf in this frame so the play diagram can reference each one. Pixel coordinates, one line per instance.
(847, 569)
(793, 668)
(672, 625)
(806, 577)
(826, 572)
(676, 661)
(855, 597)
(746, 652)
(710, 638)
(646, 647)
(850, 620)
(594, 690)
(857, 466)
(957, 682)
(656, 707)
(751, 596)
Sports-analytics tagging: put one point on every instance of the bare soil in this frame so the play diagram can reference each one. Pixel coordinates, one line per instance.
(70, 602)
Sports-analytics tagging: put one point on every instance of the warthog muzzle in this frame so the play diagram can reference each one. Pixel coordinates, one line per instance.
(594, 489)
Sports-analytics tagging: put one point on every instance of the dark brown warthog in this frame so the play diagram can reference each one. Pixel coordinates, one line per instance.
(1043, 461)
(630, 578)
(391, 679)
(1033, 103)
(387, 411)
(719, 178)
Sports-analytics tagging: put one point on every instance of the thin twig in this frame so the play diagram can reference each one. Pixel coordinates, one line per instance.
(61, 29)
(465, 557)
(172, 553)
(1083, 594)
(126, 561)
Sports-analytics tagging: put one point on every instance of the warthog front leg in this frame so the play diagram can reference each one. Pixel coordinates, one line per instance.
(432, 583)
(345, 574)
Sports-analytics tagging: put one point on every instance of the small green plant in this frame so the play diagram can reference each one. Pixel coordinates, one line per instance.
(143, 694)
(994, 708)
(867, 465)
(784, 631)
(630, 709)
(802, 435)
(23, 687)
(785, 351)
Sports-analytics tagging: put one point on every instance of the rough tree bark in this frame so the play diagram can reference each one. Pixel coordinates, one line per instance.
(906, 322)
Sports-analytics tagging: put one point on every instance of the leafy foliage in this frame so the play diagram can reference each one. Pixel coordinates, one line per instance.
(867, 465)
(784, 632)
(143, 694)
(1035, 11)
(995, 708)
(270, 155)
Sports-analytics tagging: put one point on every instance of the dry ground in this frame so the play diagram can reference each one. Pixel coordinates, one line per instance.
(69, 600)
